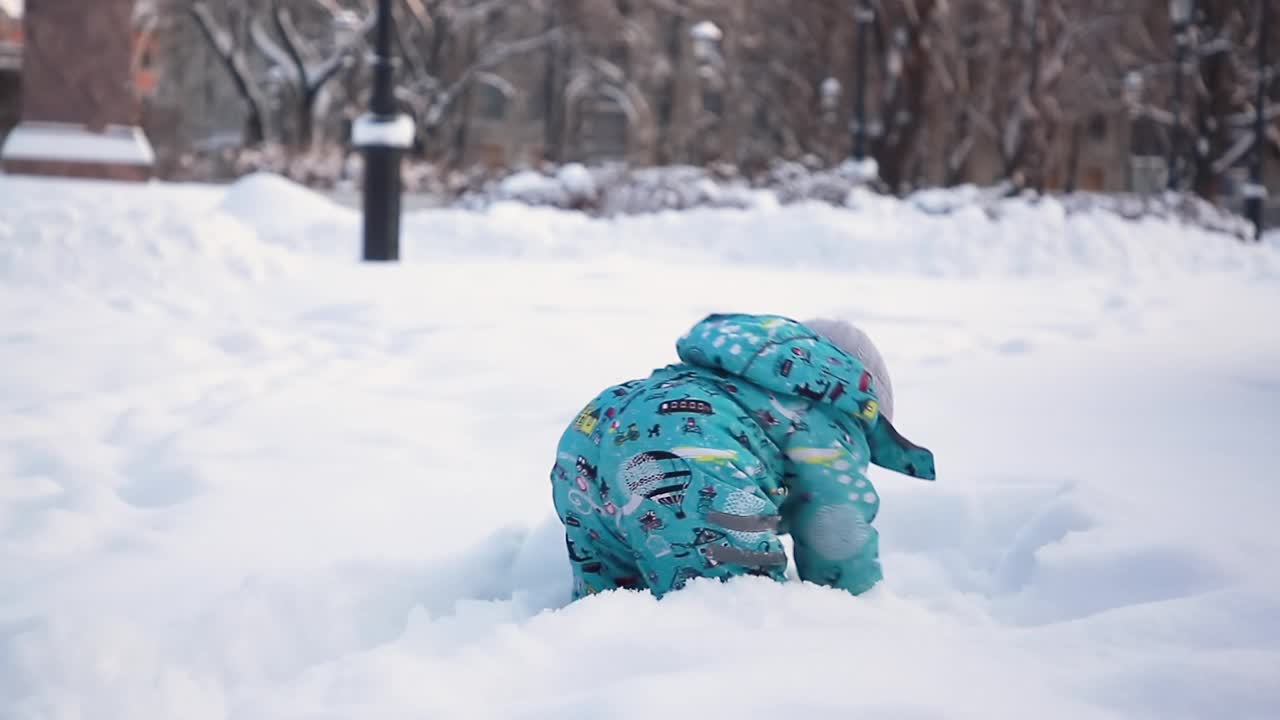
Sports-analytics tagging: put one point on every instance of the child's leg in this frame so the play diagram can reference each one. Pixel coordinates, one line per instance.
(596, 565)
(687, 492)
(729, 530)
(598, 554)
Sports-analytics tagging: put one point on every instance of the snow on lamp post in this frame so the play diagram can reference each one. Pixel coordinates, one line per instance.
(865, 14)
(1180, 16)
(1255, 191)
(706, 38)
(829, 91)
(706, 43)
(1133, 87)
(829, 94)
(384, 135)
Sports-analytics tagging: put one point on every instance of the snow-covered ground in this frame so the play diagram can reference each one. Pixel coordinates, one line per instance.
(244, 476)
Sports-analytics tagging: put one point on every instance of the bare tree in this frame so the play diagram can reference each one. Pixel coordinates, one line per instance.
(451, 45)
(1217, 118)
(1227, 75)
(237, 66)
(294, 61)
(905, 65)
(1019, 91)
(296, 58)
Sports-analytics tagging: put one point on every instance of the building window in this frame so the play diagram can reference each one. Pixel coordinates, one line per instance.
(608, 130)
(491, 104)
(1098, 127)
(603, 131)
(496, 23)
(713, 101)
(1148, 138)
(1093, 179)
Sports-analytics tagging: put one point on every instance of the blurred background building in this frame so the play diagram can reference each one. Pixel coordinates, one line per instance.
(1054, 95)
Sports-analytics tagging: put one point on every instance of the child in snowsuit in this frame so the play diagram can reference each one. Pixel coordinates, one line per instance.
(766, 428)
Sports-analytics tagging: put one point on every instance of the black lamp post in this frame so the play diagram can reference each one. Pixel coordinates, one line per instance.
(384, 135)
(1133, 85)
(865, 14)
(1256, 190)
(1180, 15)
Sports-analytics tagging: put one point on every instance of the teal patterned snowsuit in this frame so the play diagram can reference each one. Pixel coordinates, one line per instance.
(764, 429)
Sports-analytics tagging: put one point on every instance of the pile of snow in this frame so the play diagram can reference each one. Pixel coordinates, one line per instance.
(58, 234)
(273, 201)
(284, 210)
(319, 489)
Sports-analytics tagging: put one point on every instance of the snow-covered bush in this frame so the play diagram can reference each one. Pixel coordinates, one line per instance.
(612, 190)
(615, 189)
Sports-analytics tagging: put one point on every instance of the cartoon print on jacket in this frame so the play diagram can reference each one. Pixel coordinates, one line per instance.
(764, 428)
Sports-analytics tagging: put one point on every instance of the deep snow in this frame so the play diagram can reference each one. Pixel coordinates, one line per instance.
(243, 476)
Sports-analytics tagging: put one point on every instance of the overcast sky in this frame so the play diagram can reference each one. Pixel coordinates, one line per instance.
(13, 7)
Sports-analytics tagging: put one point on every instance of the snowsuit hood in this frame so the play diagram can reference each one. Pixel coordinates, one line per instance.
(788, 359)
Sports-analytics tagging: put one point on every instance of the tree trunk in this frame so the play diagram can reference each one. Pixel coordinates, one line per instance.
(1073, 157)
(904, 115)
(461, 134)
(1212, 109)
(307, 116)
(737, 108)
(666, 105)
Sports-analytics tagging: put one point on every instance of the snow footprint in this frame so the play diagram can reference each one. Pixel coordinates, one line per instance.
(1049, 525)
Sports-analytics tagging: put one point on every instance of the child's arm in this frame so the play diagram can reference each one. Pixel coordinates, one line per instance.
(831, 506)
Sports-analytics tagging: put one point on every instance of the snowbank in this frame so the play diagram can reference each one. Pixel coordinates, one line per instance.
(87, 235)
(244, 476)
(962, 233)
(258, 225)
(874, 233)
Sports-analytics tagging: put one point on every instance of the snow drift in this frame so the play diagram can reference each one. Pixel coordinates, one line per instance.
(244, 476)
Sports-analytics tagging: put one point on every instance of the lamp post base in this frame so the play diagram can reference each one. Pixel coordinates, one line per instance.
(1254, 194)
(381, 203)
(384, 140)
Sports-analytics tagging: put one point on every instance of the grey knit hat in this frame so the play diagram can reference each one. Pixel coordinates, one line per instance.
(850, 338)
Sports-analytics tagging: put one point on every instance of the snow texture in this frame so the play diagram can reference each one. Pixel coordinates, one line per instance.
(244, 476)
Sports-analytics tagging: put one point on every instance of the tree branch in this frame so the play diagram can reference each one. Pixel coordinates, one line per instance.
(1231, 156)
(1246, 118)
(273, 52)
(236, 66)
(292, 45)
(322, 73)
(503, 53)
